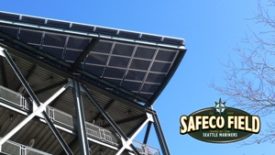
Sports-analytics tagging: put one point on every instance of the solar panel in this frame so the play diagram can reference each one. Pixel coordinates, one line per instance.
(137, 62)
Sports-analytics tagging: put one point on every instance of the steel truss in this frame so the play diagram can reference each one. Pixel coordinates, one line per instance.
(39, 109)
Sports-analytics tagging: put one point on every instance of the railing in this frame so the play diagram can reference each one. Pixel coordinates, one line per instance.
(61, 118)
(58, 117)
(108, 136)
(31, 151)
(13, 98)
(65, 120)
(144, 149)
(93, 131)
(11, 148)
(14, 148)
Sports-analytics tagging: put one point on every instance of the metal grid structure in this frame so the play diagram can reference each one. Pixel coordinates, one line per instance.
(92, 86)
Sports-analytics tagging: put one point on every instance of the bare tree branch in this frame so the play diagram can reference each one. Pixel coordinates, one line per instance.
(250, 82)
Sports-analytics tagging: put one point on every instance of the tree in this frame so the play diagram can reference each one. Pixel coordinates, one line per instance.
(250, 81)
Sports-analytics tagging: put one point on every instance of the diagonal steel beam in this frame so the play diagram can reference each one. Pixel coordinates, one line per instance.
(132, 131)
(28, 75)
(160, 135)
(80, 117)
(105, 108)
(109, 119)
(124, 120)
(36, 112)
(147, 133)
(105, 115)
(3, 72)
(35, 99)
(71, 144)
(129, 141)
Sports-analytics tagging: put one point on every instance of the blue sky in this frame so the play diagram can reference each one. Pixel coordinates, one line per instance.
(211, 29)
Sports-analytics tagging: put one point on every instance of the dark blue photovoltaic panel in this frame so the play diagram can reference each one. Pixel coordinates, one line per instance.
(149, 88)
(30, 36)
(131, 85)
(151, 38)
(135, 62)
(96, 70)
(158, 78)
(54, 40)
(129, 35)
(124, 50)
(140, 64)
(9, 17)
(53, 51)
(58, 24)
(33, 20)
(172, 41)
(145, 53)
(103, 47)
(119, 62)
(71, 55)
(165, 55)
(106, 31)
(82, 28)
(135, 75)
(78, 43)
(160, 67)
(9, 31)
(97, 59)
(114, 73)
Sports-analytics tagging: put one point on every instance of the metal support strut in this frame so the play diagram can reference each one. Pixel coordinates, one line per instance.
(160, 135)
(147, 133)
(84, 147)
(25, 84)
(110, 120)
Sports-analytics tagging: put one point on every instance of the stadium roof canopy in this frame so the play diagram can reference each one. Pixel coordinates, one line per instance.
(132, 65)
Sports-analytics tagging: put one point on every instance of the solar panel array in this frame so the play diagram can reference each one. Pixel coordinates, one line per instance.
(140, 66)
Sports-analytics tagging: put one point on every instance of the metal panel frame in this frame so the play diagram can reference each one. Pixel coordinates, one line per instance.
(63, 68)
(143, 39)
(112, 37)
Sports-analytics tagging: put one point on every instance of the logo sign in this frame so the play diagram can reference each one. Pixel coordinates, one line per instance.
(220, 124)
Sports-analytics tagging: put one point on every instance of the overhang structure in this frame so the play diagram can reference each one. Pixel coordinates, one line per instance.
(71, 88)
